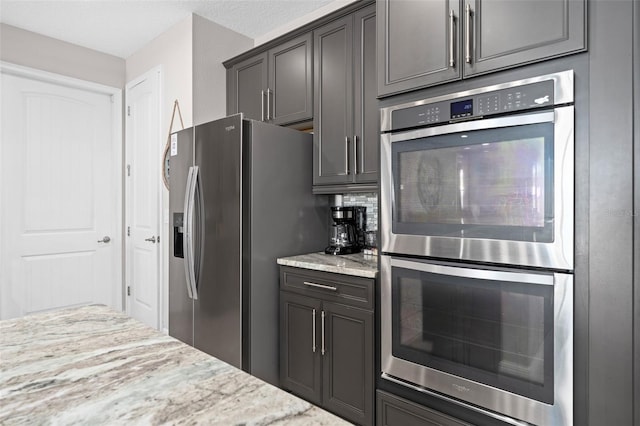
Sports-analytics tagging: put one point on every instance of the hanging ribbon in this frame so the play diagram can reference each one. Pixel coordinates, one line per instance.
(165, 156)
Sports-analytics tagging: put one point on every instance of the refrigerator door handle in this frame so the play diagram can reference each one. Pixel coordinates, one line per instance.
(188, 236)
(197, 230)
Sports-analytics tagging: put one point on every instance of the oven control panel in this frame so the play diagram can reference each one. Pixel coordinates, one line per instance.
(500, 101)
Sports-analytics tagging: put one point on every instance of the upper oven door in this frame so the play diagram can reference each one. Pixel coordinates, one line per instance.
(497, 190)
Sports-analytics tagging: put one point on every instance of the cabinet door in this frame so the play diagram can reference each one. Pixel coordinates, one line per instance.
(333, 121)
(366, 113)
(250, 87)
(505, 33)
(417, 44)
(290, 97)
(347, 341)
(300, 362)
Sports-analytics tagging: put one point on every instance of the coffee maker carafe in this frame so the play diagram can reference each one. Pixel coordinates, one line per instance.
(346, 235)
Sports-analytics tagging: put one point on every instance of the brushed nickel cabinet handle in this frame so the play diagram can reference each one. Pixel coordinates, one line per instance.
(452, 24)
(269, 117)
(313, 332)
(262, 105)
(355, 154)
(467, 24)
(322, 286)
(323, 348)
(346, 155)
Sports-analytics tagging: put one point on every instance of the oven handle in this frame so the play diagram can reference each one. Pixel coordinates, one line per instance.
(482, 274)
(468, 126)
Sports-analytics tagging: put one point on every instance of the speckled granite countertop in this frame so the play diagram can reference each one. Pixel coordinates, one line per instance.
(92, 365)
(350, 264)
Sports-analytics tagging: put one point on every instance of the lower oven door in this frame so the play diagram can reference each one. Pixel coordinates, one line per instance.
(498, 339)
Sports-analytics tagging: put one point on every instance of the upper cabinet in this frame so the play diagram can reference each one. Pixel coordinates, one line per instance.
(248, 93)
(417, 44)
(345, 156)
(504, 33)
(274, 86)
(426, 42)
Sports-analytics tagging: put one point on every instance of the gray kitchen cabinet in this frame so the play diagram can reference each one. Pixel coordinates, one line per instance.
(275, 86)
(396, 411)
(299, 361)
(326, 341)
(502, 34)
(366, 111)
(250, 78)
(346, 110)
(426, 42)
(417, 44)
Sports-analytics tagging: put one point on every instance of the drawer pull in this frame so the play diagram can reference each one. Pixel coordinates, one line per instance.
(322, 286)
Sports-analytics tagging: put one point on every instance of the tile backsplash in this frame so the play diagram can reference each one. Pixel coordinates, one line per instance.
(368, 200)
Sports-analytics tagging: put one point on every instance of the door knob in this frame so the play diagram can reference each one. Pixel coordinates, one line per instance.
(152, 239)
(105, 239)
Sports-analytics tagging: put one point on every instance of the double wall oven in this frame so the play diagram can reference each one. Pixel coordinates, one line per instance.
(477, 248)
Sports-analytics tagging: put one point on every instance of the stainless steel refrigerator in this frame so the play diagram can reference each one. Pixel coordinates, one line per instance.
(240, 197)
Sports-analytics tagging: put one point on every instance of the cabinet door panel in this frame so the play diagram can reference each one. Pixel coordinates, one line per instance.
(348, 362)
(251, 78)
(366, 113)
(333, 121)
(299, 364)
(414, 44)
(291, 81)
(506, 33)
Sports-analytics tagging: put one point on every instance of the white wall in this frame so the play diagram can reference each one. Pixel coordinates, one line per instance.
(173, 51)
(212, 44)
(33, 50)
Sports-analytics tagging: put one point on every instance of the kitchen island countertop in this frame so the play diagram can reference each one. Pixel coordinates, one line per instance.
(92, 365)
(359, 265)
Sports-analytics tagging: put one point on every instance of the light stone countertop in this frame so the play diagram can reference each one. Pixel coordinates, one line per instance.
(359, 265)
(94, 366)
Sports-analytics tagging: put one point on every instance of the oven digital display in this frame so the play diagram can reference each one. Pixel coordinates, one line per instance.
(462, 108)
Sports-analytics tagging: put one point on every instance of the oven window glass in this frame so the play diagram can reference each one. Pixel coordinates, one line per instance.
(494, 184)
(493, 332)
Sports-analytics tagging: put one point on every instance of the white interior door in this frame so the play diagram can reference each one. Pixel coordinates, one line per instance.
(60, 242)
(144, 150)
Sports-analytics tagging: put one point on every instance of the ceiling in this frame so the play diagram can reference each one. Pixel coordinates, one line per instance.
(121, 27)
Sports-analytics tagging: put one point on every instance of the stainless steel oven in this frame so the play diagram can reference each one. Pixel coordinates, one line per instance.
(498, 339)
(477, 248)
(484, 175)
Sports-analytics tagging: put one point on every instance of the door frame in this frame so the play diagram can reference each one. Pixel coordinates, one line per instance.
(155, 72)
(117, 149)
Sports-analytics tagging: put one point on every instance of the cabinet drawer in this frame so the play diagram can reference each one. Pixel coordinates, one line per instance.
(395, 411)
(345, 289)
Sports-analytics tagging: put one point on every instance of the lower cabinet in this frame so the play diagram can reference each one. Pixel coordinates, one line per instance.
(326, 342)
(396, 411)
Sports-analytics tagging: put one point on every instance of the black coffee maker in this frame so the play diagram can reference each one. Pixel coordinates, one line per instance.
(346, 235)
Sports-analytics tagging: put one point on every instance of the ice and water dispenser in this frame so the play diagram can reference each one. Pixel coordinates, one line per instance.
(178, 234)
